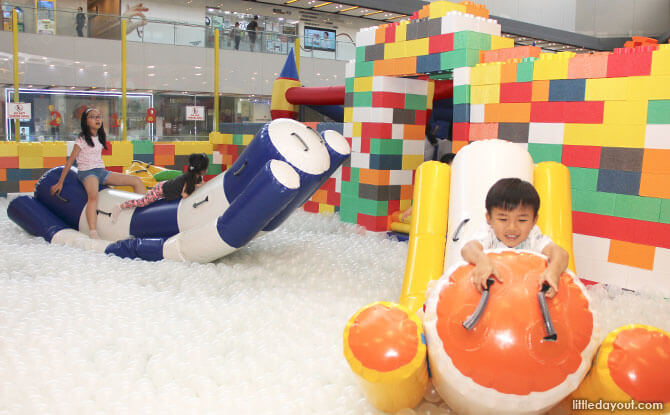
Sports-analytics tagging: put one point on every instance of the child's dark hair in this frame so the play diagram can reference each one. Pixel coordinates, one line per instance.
(197, 163)
(509, 193)
(447, 158)
(86, 132)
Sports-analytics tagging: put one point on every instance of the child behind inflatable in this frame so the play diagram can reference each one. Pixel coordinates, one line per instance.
(511, 212)
(172, 189)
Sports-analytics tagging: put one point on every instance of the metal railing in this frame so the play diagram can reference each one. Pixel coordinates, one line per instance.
(62, 22)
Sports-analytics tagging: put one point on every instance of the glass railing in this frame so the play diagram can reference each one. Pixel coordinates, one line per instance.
(141, 29)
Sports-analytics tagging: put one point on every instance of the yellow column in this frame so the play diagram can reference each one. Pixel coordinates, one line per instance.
(428, 232)
(296, 52)
(124, 75)
(15, 44)
(216, 81)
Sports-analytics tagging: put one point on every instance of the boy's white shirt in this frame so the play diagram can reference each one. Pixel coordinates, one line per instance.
(535, 242)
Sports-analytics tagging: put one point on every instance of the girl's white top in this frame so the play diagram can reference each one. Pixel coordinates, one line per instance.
(89, 157)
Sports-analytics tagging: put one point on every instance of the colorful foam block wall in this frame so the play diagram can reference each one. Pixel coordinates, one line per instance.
(22, 164)
(605, 115)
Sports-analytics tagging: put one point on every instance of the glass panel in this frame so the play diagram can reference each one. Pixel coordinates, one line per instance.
(56, 114)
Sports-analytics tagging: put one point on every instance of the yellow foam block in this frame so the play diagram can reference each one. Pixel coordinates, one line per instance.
(417, 47)
(122, 148)
(629, 136)
(411, 162)
(660, 61)
(658, 87)
(625, 112)
(430, 95)
(606, 89)
(246, 139)
(357, 129)
(184, 148)
(396, 49)
(551, 66)
(227, 138)
(9, 149)
(486, 73)
(401, 32)
(30, 150)
(640, 87)
(363, 84)
(108, 160)
(500, 42)
(485, 94)
(216, 137)
(440, 8)
(583, 134)
(324, 208)
(56, 149)
(348, 114)
(31, 162)
(122, 159)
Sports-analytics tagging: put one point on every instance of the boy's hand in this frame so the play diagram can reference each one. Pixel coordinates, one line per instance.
(552, 279)
(483, 270)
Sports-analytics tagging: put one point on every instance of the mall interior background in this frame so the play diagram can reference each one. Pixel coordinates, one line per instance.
(170, 56)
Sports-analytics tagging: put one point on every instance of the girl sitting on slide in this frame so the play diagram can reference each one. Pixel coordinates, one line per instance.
(172, 189)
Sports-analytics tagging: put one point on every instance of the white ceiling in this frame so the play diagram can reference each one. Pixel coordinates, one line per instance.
(339, 8)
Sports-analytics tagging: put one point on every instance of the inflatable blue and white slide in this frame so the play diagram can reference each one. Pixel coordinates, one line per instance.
(280, 169)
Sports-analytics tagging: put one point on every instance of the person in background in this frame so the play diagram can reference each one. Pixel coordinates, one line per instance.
(80, 22)
(237, 35)
(252, 27)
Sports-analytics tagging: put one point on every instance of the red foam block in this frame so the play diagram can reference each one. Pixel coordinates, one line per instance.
(581, 156)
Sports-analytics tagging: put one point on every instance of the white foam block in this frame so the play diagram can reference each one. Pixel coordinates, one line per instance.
(356, 144)
(477, 113)
(384, 115)
(591, 247)
(360, 160)
(362, 114)
(388, 84)
(657, 136)
(366, 37)
(398, 131)
(401, 177)
(413, 147)
(348, 129)
(350, 69)
(416, 86)
(546, 133)
(462, 76)
(217, 157)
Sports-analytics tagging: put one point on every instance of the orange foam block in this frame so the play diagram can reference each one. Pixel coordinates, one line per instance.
(507, 112)
(540, 91)
(631, 254)
(482, 131)
(374, 177)
(475, 9)
(501, 55)
(587, 65)
(508, 71)
(457, 145)
(27, 185)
